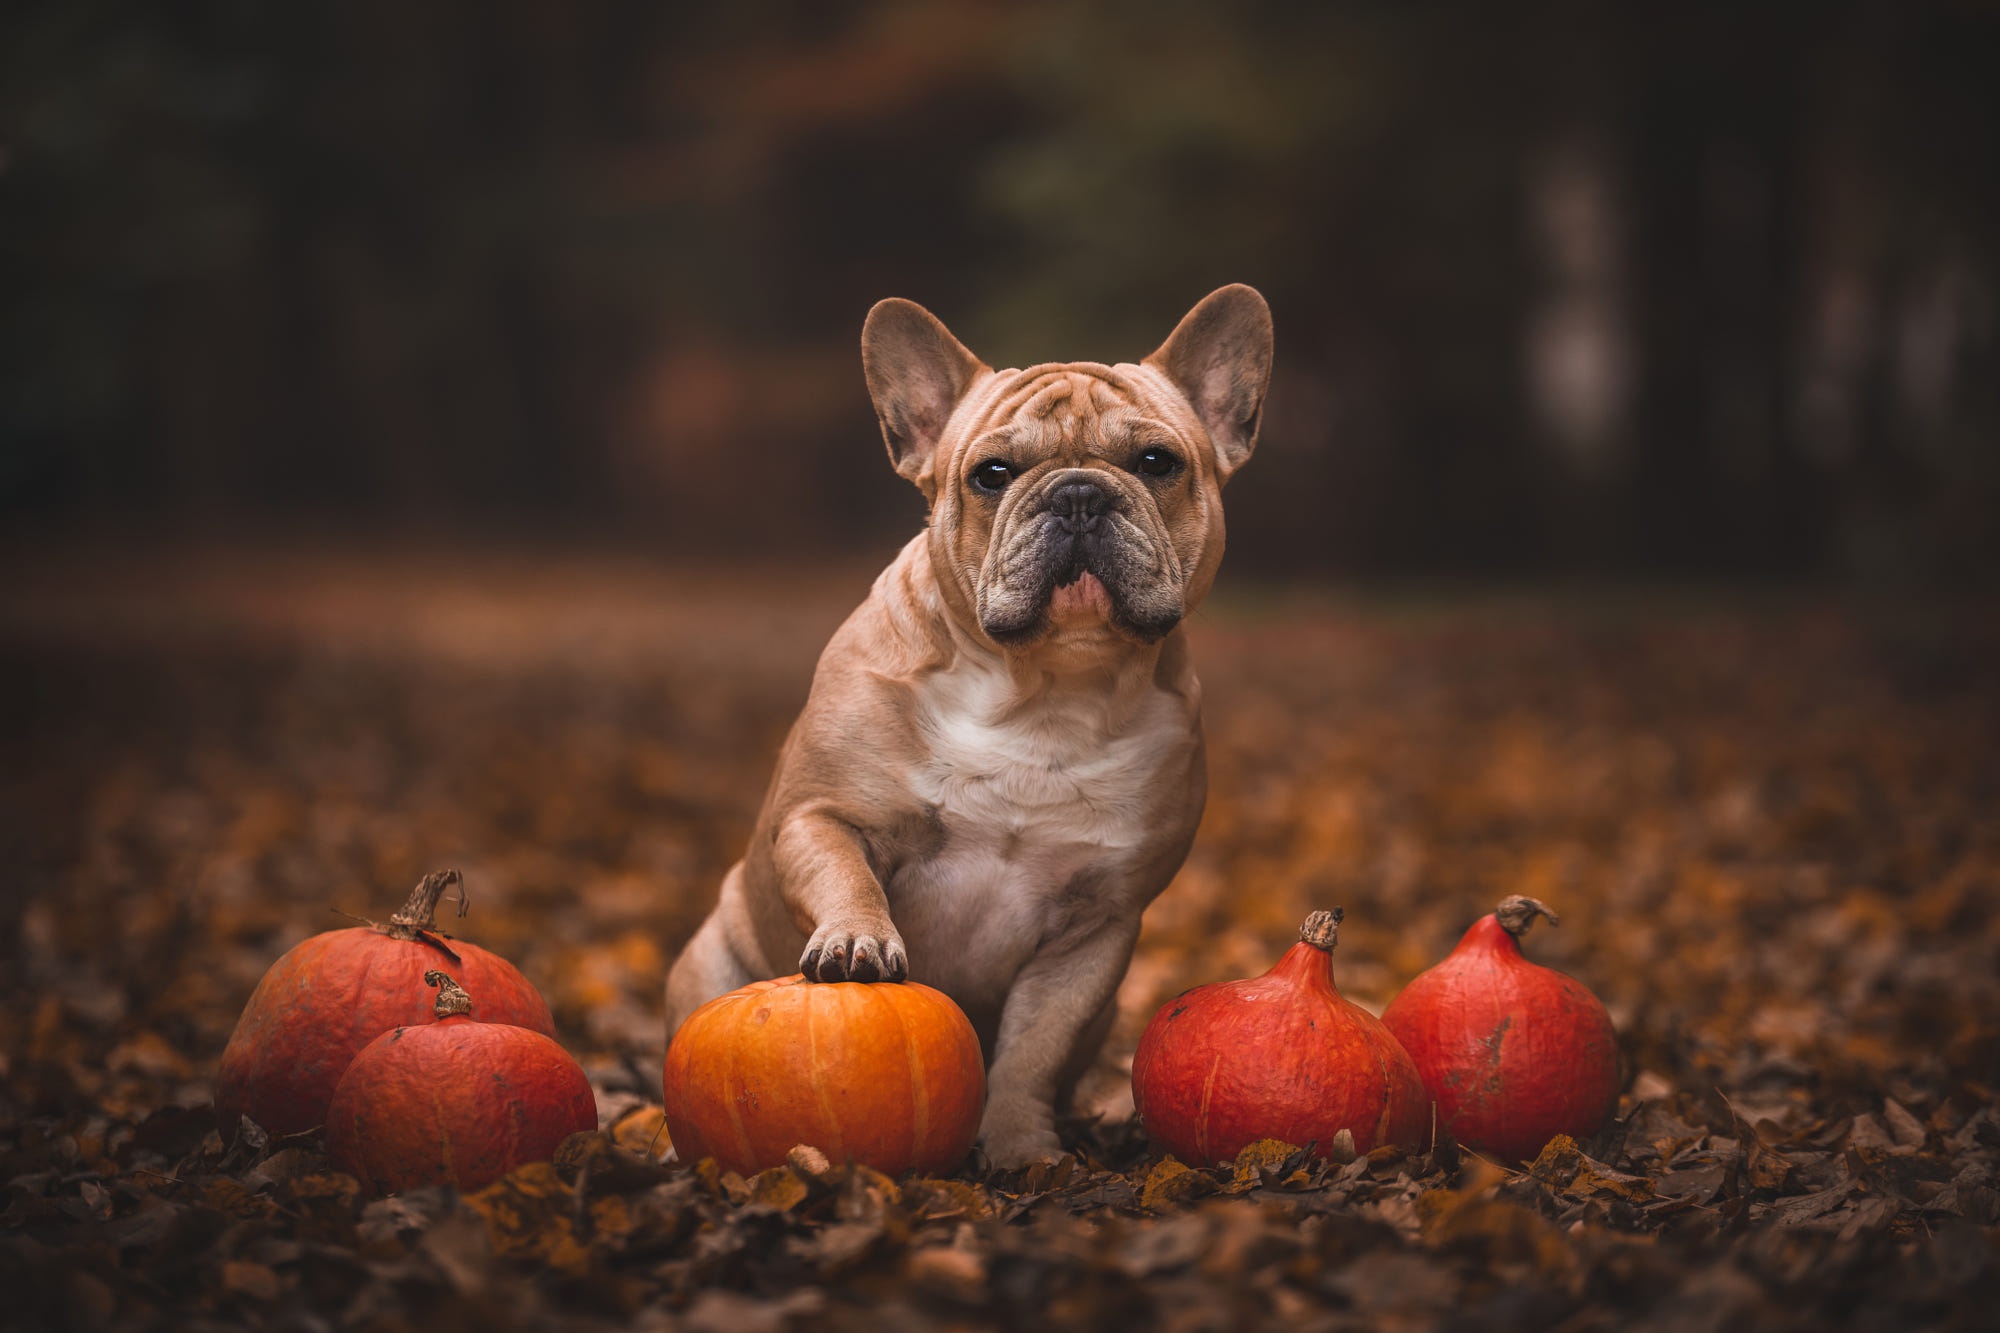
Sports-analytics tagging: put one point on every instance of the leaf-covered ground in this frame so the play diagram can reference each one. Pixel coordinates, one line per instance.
(1772, 828)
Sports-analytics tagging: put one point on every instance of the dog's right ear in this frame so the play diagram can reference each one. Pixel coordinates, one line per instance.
(917, 373)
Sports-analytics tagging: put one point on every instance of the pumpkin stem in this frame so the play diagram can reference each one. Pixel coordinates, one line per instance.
(451, 999)
(1516, 913)
(419, 914)
(1322, 929)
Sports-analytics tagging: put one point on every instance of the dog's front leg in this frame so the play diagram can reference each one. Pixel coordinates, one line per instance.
(825, 879)
(1054, 1001)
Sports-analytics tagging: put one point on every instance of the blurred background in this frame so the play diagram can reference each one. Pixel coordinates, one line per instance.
(1705, 290)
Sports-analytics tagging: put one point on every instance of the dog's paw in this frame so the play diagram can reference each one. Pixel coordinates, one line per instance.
(1011, 1154)
(1011, 1141)
(837, 953)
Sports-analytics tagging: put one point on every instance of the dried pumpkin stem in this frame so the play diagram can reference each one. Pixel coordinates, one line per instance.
(419, 914)
(1322, 929)
(452, 998)
(1516, 913)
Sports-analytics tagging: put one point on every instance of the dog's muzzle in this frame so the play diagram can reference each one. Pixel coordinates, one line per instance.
(1078, 525)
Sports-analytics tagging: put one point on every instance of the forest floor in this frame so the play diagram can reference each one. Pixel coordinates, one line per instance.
(1771, 825)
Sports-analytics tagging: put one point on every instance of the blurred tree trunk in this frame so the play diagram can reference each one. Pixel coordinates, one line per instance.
(1718, 481)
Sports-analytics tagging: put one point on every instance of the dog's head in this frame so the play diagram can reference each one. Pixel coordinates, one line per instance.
(1073, 501)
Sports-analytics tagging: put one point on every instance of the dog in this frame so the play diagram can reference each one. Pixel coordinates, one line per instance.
(1000, 763)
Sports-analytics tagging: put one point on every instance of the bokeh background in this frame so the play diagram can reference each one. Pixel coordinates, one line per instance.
(434, 435)
(1705, 289)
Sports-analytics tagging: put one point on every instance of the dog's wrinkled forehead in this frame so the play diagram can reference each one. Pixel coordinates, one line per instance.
(1067, 401)
(1068, 407)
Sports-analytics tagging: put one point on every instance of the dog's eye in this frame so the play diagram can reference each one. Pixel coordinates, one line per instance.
(992, 476)
(1157, 462)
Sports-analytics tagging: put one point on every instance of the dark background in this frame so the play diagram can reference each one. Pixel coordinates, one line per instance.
(433, 435)
(1692, 290)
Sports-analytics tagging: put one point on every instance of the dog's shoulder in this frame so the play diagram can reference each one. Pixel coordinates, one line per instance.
(858, 736)
(896, 636)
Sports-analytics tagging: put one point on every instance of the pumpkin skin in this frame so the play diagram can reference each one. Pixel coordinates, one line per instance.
(332, 994)
(454, 1102)
(1513, 1052)
(1281, 1056)
(888, 1074)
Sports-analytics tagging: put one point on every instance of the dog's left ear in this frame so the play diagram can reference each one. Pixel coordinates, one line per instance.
(1220, 356)
(917, 373)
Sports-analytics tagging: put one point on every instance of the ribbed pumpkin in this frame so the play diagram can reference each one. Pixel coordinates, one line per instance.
(334, 993)
(454, 1102)
(886, 1074)
(1281, 1056)
(1515, 1053)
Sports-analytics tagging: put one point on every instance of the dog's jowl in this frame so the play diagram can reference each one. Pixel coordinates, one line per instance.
(1000, 763)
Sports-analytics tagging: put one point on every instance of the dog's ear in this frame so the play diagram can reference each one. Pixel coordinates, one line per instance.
(917, 373)
(1220, 356)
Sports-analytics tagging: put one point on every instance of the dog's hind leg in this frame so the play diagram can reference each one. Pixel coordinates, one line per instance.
(1084, 1055)
(708, 967)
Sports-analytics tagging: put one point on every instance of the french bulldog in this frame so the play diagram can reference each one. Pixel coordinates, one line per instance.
(1000, 763)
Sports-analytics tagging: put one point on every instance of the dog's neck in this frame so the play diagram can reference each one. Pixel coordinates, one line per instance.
(1109, 668)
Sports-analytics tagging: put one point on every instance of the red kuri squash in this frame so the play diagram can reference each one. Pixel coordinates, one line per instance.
(454, 1102)
(337, 991)
(1281, 1056)
(1515, 1053)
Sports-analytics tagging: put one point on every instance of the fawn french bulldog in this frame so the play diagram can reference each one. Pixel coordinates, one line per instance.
(1000, 763)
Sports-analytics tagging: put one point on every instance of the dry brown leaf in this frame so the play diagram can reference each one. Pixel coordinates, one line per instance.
(1169, 1182)
(779, 1188)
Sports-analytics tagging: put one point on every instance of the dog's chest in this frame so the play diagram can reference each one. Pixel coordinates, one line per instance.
(1043, 804)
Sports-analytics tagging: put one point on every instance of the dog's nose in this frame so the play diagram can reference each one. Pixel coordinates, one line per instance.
(1079, 504)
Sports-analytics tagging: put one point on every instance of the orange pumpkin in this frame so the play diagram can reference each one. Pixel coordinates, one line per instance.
(886, 1074)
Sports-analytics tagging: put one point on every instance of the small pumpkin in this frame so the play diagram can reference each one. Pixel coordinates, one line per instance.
(1514, 1053)
(888, 1074)
(454, 1102)
(332, 994)
(1280, 1056)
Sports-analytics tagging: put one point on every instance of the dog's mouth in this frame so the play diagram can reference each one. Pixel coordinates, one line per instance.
(1087, 583)
(1082, 596)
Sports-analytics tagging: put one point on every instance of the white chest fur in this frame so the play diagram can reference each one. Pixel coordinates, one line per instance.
(1037, 791)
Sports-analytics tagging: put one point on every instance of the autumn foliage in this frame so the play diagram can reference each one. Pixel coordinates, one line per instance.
(1769, 828)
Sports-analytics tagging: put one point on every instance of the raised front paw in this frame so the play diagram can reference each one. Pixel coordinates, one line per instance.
(844, 953)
